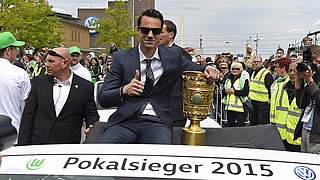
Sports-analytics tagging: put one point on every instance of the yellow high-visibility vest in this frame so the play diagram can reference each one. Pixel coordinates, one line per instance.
(275, 97)
(281, 111)
(292, 121)
(258, 90)
(38, 70)
(233, 102)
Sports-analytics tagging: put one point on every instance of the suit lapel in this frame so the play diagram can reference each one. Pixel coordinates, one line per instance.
(49, 89)
(135, 62)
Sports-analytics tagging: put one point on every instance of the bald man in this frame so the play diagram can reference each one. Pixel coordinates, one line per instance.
(58, 104)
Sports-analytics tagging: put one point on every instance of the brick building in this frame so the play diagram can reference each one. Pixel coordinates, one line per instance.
(83, 13)
(74, 34)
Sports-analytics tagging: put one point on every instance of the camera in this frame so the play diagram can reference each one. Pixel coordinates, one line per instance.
(307, 59)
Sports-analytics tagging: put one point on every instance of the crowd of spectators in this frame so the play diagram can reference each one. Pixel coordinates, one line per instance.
(251, 91)
(33, 62)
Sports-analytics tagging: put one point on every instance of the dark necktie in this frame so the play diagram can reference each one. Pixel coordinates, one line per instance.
(149, 77)
(148, 85)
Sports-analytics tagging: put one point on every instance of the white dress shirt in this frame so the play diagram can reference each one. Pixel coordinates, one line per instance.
(14, 88)
(157, 69)
(60, 93)
(81, 71)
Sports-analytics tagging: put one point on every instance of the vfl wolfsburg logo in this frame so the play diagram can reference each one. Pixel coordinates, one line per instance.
(35, 164)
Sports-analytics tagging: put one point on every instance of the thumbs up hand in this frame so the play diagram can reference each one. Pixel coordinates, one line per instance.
(135, 87)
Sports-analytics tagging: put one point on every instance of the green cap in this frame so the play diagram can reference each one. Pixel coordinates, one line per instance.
(7, 39)
(74, 49)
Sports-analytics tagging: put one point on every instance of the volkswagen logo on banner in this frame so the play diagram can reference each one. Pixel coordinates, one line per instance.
(90, 23)
(304, 173)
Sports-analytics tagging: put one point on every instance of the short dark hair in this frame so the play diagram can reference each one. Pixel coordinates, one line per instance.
(293, 55)
(151, 13)
(280, 49)
(208, 59)
(171, 27)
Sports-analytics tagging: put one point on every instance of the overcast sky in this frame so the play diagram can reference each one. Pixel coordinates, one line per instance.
(226, 25)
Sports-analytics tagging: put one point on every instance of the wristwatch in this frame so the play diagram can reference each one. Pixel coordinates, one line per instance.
(309, 84)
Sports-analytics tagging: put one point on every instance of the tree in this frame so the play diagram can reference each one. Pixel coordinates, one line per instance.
(31, 21)
(117, 28)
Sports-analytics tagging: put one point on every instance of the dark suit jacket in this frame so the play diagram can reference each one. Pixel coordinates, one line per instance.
(39, 124)
(123, 70)
(19, 64)
(176, 113)
(184, 53)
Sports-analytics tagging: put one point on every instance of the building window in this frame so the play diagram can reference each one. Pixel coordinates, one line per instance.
(79, 36)
(71, 35)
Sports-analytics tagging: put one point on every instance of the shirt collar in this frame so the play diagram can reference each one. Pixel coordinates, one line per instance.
(171, 44)
(143, 57)
(282, 79)
(66, 82)
(75, 66)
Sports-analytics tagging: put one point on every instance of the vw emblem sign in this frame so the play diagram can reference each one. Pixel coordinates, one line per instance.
(90, 23)
(305, 173)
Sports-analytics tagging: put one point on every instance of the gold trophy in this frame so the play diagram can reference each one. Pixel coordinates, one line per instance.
(197, 97)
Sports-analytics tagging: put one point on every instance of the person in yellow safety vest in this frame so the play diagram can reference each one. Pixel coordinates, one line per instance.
(236, 93)
(293, 112)
(261, 81)
(40, 68)
(282, 69)
(276, 108)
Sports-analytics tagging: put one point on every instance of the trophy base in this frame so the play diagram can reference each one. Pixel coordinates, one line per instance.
(193, 138)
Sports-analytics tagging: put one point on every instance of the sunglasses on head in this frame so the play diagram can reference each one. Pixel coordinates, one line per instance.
(53, 53)
(145, 30)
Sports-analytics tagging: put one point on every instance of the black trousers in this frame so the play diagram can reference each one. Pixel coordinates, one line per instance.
(260, 113)
(236, 119)
(291, 147)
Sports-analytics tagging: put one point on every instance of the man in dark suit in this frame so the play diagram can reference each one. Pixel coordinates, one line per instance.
(57, 104)
(168, 34)
(140, 83)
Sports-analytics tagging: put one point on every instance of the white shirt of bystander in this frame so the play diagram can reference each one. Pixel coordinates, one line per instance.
(81, 71)
(14, 88)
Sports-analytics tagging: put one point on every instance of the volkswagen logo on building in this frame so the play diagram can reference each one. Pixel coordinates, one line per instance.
(90, 23)
(304, 173)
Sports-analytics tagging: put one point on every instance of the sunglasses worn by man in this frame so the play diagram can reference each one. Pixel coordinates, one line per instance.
(53, 53)
(146, 30)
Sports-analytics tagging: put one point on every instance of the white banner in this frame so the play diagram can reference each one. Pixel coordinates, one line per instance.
(213, 165)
